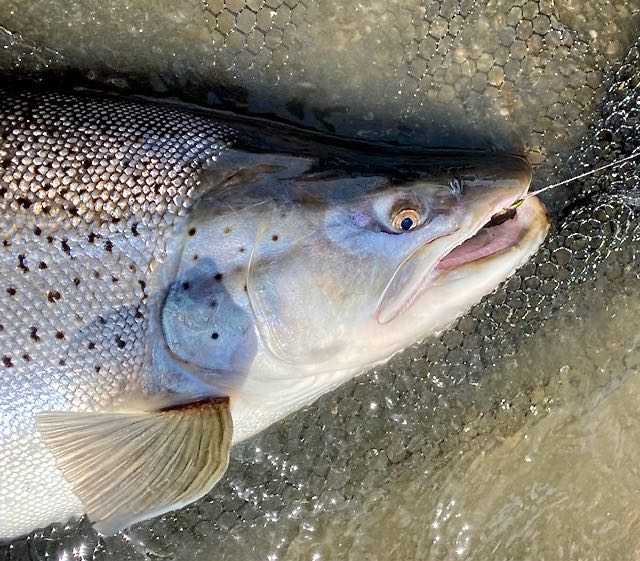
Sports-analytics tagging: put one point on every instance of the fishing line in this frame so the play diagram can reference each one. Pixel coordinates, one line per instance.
(615, 163)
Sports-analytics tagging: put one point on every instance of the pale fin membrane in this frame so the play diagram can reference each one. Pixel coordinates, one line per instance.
(130, 466)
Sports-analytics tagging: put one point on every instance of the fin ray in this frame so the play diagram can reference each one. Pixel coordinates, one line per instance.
(128, 466)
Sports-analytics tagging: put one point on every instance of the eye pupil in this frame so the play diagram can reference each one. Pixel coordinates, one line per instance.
(406, 219)
(406, 224)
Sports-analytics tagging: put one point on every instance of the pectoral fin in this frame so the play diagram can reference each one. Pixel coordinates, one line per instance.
(130, 466)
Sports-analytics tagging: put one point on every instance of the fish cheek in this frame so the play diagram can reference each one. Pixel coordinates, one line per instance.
(311, 301)
(203, 326)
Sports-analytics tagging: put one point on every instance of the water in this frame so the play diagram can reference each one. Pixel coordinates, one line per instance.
(510, 436)
(564, 485)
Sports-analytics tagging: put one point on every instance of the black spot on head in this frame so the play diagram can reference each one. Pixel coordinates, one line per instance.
(213, 304)
(218, 276)
(50, 239)
(86, 163)
(23, 202)
(53, 296)
(59, 335)
(227, 230)
(185, 286)
(245, 288)
(6, 243)
(11, 291)
(6, 360)
(91, 237)
(114, 279)
(215, 335)
(26, 357)
(195, 257)
(101, 320)
(42, 265)
(1, 327)
(97, 368)
(108, 246)
(91, 345)
(76, 281)
(134, 229)
(96, 274)
(37, 231)
(274, 237)
(121, 344)
(138, 313)
(61, 362)
(66, 247)
(192, 231)
(115, 220)
(34, 334)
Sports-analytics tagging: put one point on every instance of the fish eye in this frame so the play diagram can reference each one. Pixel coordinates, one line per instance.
(405, 219)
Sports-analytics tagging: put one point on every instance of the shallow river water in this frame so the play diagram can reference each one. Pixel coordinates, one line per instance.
(514, 435)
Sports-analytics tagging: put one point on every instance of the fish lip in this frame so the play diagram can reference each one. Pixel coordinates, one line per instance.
(429, 274)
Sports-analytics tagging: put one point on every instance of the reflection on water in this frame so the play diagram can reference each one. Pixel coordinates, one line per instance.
(568, 486)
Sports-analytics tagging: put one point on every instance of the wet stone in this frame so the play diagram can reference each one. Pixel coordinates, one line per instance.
(396, 451)
(524, 30)
(547, 270)
(562, 256)
(467, 324)
(452, 338)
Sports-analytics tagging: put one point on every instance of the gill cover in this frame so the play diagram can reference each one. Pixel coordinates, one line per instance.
(302, 305)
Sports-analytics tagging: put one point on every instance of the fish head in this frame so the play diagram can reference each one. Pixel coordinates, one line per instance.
(336, 269)
(349, 271)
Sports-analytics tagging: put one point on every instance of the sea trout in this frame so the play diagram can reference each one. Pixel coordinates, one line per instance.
(173, 282)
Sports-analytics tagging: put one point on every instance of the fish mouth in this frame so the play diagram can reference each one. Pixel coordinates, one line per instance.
(500, 231)
(503, 230)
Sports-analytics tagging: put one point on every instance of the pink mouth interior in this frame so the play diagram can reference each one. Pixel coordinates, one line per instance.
(486, 241)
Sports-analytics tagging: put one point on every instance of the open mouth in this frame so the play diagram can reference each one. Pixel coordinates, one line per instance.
(505, 240)
(504, 230)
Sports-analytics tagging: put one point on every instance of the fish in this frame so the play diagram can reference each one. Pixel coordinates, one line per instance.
(425, 395)
(174, 281)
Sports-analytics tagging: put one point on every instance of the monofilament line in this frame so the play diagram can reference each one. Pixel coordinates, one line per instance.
(586, 174)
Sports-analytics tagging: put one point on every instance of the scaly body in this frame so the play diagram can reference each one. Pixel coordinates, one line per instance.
(80, 252)
(152, 258)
